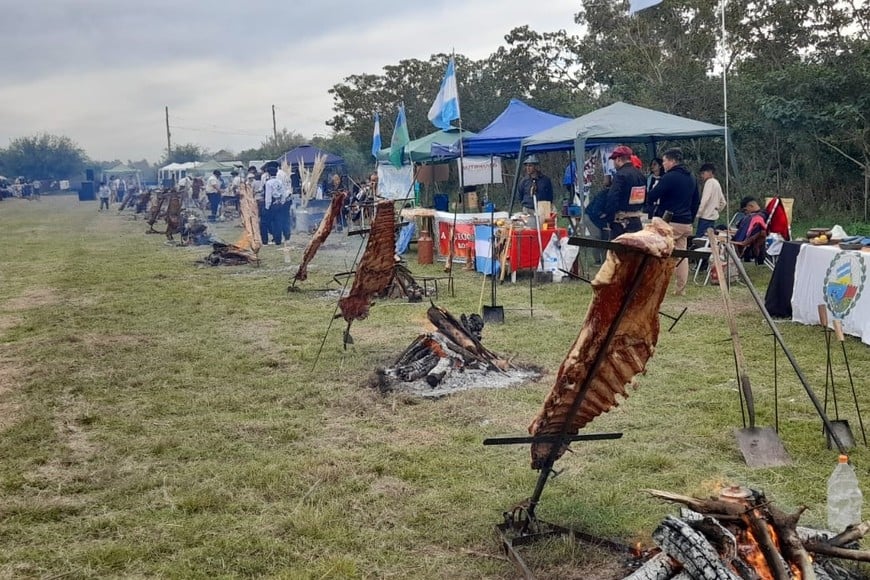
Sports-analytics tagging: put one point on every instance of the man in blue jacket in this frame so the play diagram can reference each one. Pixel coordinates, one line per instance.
(677, 193)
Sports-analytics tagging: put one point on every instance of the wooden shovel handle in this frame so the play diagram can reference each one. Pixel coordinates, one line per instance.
(739, 359)
(823, 315)
(838, 330)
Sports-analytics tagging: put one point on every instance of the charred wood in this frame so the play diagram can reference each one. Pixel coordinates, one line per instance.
(692, 550)
(659, 567)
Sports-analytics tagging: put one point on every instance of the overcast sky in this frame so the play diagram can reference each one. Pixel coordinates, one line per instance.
(102, 71)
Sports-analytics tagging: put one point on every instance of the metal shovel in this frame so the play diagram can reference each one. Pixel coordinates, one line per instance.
(839, 426)
(760, 446)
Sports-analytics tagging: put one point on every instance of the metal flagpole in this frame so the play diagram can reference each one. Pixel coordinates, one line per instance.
(725, 113)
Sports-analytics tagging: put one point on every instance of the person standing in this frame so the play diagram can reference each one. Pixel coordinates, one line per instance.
(535, 185)
(104, 193)
(274, 192)
(122, 190)
(595, 218)
(113, 188)
(652, 179)
(677, 193)
(336, 187)
(712, 200)
(213, 192)
(626, 196)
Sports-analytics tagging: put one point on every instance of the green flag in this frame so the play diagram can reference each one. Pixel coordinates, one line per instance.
(400, 139)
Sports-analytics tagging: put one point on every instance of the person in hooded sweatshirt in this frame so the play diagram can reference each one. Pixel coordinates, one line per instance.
(677, 193)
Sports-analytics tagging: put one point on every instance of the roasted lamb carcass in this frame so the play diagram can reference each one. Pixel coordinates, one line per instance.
(323, 231)
(632, 345)
(376, 268)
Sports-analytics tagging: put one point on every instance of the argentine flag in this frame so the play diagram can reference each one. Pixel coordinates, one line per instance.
(638, 5)
(399, 139)
(446, 105)
(376, 136)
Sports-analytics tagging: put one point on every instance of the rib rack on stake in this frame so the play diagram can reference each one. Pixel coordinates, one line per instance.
(617, 338)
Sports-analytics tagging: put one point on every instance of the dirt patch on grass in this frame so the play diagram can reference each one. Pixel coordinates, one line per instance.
(391, 487)
(70, 430)
(10, 379)
(9, 321)
(712, 306)
(32, 298)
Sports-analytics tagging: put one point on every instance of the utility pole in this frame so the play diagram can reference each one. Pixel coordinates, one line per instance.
(168, 137)
(274, 126)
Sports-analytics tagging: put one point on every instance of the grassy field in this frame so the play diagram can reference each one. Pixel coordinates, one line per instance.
(160, 418)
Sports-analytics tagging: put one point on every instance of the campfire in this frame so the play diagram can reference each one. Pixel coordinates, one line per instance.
(741, 535)
(449, 359)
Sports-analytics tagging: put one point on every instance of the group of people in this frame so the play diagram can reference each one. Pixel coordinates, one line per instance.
(113, 191)
(629, 196)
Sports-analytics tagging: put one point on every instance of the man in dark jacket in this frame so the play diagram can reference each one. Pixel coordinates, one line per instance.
(677, 193)
(626, 196)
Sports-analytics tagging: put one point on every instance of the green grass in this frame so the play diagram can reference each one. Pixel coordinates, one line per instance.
(159, 418)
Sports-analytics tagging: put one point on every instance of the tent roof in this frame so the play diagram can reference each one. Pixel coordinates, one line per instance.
(209, 166)
(421, 150)
(620, 122)
(504, 134)
(306, 154)
(121, 169)
(180, 166)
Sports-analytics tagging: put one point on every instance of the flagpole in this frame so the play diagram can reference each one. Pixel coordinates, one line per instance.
(725, 114)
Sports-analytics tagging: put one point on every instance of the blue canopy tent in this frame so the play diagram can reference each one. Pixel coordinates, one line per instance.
(306, 154)
(504, 135)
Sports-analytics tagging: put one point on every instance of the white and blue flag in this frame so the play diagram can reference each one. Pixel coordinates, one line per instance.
(638, 5)
(376, 136)
(446, 106)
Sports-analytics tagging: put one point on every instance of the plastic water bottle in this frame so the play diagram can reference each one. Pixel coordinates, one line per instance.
(844, 497)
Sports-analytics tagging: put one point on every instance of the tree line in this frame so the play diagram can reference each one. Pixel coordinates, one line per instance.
(797, 77)
(797, 74)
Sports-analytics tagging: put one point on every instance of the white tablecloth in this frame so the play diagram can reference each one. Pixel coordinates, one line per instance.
(837, 278)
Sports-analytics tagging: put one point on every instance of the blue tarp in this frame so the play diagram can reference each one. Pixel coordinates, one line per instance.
(503, 136)
(306, 154)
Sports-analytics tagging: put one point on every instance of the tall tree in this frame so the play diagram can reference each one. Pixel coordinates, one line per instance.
(185, 153)
(44, 156)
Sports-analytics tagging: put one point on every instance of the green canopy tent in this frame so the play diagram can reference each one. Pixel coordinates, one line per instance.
(122, 170)
(620, 123)
(207, 167)
(420, 150)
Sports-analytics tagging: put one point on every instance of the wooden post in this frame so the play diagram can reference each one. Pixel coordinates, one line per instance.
(168, 137)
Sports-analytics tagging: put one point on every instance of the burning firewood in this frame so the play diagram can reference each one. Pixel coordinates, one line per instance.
(740, 534)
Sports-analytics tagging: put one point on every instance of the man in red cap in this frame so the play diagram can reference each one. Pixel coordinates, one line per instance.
(626, 196)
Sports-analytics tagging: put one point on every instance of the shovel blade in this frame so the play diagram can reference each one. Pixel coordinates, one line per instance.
(494, 314)
(843, 432)
(761, 447)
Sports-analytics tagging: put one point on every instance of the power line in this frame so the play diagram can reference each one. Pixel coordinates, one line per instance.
(221, 131)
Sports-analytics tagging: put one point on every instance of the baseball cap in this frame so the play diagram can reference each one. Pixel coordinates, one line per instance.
(621, 151)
